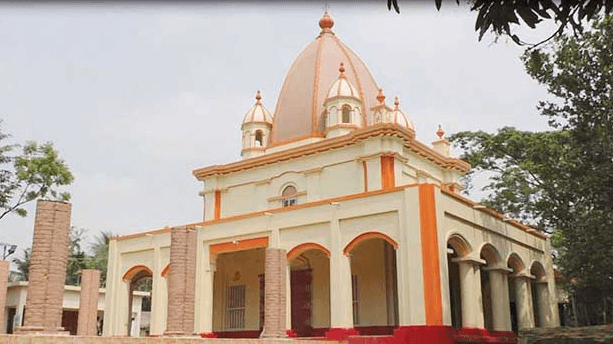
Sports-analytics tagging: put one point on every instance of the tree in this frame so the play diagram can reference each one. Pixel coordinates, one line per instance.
(498, 15)
(77, 260)
(35, 173)
(23, 265)
(100, 257)
(562, 180)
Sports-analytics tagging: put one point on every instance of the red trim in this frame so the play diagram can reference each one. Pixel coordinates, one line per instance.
(238, 334)
(340, 334)
(449, 335)
(208, 335)
(291, 334)
(376, 330)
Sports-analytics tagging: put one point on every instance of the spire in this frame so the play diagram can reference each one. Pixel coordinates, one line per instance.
(397, 103)
(381, 96)
(326, 22)
(258, 98)
(440, 132)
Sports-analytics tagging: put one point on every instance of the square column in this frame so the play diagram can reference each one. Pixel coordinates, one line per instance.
(4, 278)
(88, 302)
(274, 294)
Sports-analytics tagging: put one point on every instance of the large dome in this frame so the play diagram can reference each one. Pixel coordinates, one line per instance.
(299, 112)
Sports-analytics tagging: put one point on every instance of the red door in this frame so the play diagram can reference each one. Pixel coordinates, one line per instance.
(301, 302)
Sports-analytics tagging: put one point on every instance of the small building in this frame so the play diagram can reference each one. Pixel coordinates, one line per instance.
(16, 303)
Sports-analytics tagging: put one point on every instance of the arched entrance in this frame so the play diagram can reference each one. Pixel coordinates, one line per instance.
(139, 279)
(374, 283)
(488, 293)
(540, 294)
(310, 289)
(516, 304)
(457, 249)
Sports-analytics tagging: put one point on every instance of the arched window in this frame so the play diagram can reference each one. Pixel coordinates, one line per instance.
(289, 195)
(346, 114)
(259, 138)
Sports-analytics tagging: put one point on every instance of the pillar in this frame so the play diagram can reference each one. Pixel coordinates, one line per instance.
(499, 289)
(341, 301)
(523, 300)
(205, 287)
(181, 281)
(88, 303)
(4, 278)
(274, 294)
(544, 307)
(470, 290)
(48, 267)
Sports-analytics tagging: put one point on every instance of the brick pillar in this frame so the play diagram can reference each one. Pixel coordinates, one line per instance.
(181, 281)
(48, 267)
(4, 278)
(274, 298)
(88, 303)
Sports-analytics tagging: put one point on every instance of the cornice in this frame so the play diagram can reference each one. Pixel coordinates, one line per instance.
(386, 129)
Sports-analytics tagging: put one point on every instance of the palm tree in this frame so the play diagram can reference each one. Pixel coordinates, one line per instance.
(100, 250)
(23, 265)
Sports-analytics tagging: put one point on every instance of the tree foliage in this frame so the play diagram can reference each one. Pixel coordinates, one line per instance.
(100, 254)
(562, 180)
(35, 173)
(496, 16)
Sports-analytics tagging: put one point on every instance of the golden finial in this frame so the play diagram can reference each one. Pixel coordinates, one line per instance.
(396, 102)
(258, 97)
(341, 70)
(381, 96)
(440, 132)
(326, 22)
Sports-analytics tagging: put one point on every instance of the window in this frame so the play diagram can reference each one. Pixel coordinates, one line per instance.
(346, 114)
(259, 137)
(289, 196)
(355, 297)
(235, 307)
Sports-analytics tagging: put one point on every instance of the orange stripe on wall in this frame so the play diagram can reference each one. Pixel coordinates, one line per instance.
(239, 245)
(430, 255)
(217, 204)
(365, 168)
(387, 172)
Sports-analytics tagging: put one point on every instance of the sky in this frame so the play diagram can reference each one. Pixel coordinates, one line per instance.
(135, 96)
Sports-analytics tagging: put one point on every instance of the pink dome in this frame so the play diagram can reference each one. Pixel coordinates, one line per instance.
(299, 112)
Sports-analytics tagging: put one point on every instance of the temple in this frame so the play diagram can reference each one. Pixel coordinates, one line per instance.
(337, 222)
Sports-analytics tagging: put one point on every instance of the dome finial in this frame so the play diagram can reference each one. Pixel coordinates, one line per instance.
(440, 132)
(258, 98)
(341, 70)
(381, 96)
(396, 102)
(326, 22)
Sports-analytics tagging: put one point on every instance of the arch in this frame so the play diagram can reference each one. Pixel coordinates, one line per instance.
(538, 271)
(367, 236)
(301, 248)
(490, 254)
(165, 271)
(289, 191)
(515, 262)
(259, 139)
(135, 271)
(459, 244)
(346, 114)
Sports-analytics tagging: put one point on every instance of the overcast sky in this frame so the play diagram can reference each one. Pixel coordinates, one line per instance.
(135, 96)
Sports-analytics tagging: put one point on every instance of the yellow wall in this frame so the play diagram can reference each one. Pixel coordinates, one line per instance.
(367, 262)
(238, 268)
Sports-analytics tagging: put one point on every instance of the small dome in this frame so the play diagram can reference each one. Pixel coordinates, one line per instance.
(400, 117)
(258, 113)
(342, 87)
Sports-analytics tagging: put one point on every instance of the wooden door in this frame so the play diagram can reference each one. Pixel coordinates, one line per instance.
(301, 302)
